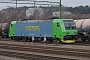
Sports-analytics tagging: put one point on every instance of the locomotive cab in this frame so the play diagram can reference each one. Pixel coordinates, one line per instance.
(12, 29)
(65, 30)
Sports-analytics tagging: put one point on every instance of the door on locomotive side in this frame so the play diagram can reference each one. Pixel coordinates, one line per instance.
(57, 28)
(12, 29)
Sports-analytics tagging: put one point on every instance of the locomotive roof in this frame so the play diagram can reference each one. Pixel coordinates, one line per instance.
(35, 21)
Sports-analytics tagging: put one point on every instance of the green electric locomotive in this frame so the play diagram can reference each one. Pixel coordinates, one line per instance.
(63, 30)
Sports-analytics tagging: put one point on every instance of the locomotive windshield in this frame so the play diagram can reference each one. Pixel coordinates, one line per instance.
(69, 24)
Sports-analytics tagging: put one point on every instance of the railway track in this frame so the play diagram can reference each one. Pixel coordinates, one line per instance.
(47, 50)
(80, 44)
(77, 43)
(30, 56)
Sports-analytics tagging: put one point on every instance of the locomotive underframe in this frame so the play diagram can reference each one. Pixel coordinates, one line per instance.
(29, 38)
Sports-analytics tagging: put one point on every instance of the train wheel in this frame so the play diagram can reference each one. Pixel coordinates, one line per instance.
(17, 38)
(89, 39)
(24, 39)
(30, 39)
(56, 41)
(2, 36)
(83, 39)
(12, 38)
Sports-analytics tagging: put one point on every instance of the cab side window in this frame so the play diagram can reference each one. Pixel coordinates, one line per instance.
(11, 25)
(58, 24)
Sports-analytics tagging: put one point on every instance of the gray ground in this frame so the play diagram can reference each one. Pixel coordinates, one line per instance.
(60, 45)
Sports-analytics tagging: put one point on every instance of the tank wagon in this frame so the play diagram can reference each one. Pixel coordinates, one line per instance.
(4, 29)
(62, 30)
(83, 26)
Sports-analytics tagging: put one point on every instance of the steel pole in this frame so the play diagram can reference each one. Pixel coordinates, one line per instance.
(60, 10)
(16, 10)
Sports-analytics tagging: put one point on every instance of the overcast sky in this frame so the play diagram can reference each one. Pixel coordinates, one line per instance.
(74, 2)
(68, 3)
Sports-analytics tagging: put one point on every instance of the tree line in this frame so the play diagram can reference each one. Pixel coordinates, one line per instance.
(79, 12)
(79, 9)
(73, 10)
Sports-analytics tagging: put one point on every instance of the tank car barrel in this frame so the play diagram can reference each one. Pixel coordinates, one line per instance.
(83, 26)
(4, 28)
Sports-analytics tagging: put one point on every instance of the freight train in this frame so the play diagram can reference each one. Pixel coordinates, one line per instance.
(62, 30)
(83, 27)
